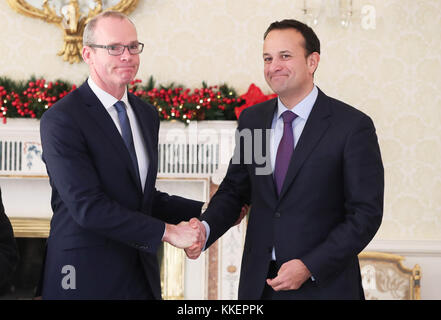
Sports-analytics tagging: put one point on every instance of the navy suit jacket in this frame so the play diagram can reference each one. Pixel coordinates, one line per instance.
(330, 206)
(103, 225)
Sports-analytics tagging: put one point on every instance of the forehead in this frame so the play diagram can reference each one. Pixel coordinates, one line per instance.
(283, 40)
(115, 30)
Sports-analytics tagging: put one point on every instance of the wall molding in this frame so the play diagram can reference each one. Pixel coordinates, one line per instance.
(407, 247)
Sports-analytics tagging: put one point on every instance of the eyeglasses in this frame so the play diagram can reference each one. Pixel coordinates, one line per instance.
(118, 49)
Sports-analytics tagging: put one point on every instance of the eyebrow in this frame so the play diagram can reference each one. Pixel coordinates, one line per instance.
(280, 52)
(117, 43)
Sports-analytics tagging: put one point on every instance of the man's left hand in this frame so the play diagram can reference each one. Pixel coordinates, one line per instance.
(291, 276)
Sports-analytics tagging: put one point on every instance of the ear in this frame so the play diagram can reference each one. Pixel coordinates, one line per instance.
(313, 61)
(86, 53)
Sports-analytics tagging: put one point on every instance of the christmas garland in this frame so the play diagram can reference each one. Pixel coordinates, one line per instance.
(31, 98)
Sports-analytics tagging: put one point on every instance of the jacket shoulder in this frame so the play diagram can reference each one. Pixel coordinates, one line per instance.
(257, 109)
(69, 104)
(344, 110)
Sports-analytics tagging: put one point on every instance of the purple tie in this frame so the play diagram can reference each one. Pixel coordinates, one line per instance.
(285, 149)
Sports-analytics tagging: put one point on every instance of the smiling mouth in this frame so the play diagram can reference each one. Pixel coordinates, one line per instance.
(278, 76)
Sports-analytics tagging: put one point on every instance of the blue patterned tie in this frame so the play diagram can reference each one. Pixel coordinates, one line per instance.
(285, 149)
(126, 132)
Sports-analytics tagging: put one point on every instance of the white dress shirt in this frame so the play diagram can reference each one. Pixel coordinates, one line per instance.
(108, 102)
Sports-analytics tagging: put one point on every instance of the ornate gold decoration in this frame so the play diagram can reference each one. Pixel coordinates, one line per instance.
(70, 20)
(386, 276)
(231, 268)
(172, 273)
(30, 227)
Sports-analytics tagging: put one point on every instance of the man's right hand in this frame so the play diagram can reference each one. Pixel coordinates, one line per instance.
(195, 250)
(182, 235)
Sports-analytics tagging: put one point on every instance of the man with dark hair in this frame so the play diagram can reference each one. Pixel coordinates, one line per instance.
(8, 246)
(323, 201)
(312, 42)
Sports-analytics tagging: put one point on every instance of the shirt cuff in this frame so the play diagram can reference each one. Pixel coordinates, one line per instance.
(207, 233)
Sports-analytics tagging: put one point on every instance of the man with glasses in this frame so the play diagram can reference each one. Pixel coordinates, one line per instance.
(100, 149)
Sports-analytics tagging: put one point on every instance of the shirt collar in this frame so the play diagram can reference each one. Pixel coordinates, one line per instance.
(106, 98)
(303, 108)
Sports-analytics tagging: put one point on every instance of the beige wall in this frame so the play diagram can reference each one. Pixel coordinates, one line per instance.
(392, 73)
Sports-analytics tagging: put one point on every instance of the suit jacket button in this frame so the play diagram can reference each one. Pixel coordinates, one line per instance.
(277, 215)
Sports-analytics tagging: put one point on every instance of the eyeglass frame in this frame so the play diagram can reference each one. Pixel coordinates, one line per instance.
(119, 45)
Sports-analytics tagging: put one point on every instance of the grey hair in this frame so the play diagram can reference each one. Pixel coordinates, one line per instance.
(89, 30)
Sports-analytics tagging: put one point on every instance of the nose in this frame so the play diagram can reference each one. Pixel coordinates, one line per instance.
(275, 65)
(126, 56)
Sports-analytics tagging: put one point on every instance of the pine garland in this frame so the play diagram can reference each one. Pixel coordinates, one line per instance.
(31, 98)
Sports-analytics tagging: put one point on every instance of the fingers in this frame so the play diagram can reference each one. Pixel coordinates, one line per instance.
(291, 276)
(197, 224)
(243, 213)
(190, 234)
(182, 235)
(278, 284)
(193, 252)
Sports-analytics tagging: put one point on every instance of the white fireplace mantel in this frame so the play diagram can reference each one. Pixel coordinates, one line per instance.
(200, 148)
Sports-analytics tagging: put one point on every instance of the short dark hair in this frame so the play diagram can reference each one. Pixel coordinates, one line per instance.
(312, 42)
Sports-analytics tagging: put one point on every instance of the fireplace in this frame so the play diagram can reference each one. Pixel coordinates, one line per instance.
(30, 235)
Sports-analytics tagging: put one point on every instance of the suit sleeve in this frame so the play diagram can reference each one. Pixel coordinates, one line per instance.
(174, 209)
(72, 174)
(363, 176)
(234, 191)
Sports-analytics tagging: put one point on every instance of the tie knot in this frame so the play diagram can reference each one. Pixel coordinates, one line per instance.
(120, 106)
(288, 116)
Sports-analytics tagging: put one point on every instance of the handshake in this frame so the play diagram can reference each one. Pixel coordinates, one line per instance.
(191, 235)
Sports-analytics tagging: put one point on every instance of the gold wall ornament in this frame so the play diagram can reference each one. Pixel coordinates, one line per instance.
(70, 17)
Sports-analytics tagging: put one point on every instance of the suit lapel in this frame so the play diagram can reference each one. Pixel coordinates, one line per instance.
(146, 124)
(103, 121)
(267, 122)
(315, 127)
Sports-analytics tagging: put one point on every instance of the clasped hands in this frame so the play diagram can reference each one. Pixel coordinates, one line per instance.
(191, 235)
